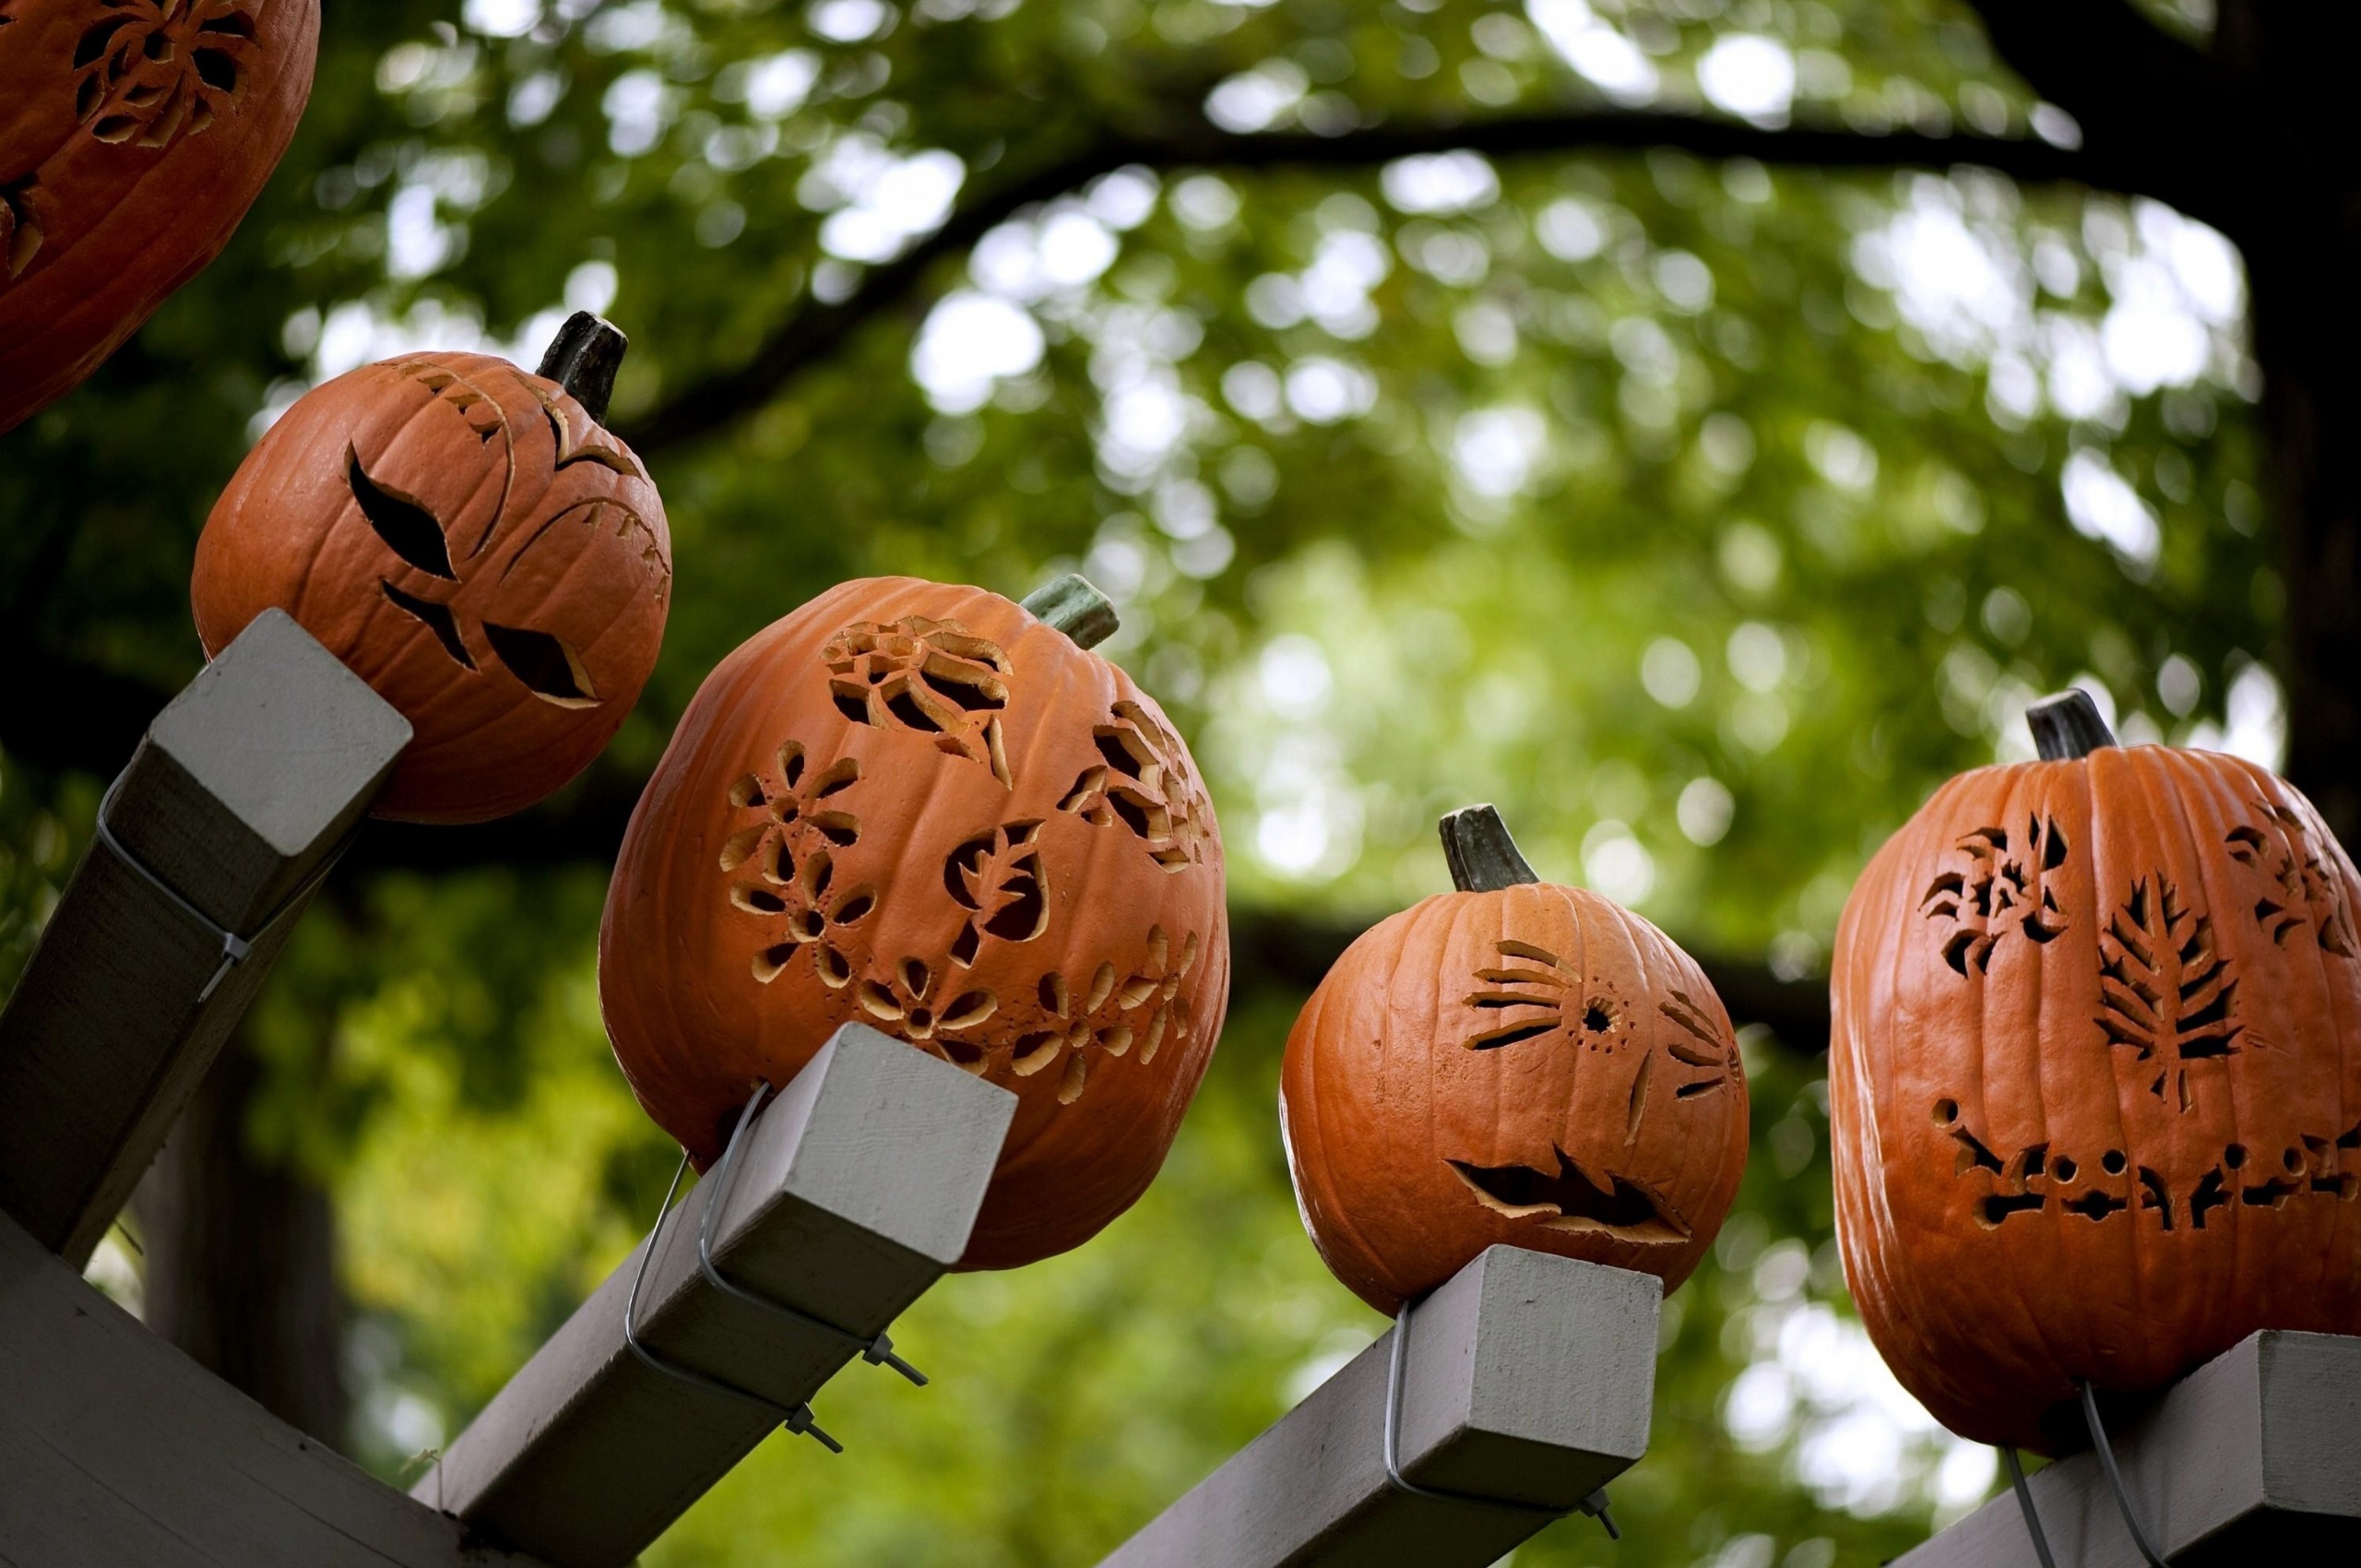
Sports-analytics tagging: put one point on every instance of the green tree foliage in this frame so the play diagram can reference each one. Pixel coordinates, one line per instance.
(1704, 513)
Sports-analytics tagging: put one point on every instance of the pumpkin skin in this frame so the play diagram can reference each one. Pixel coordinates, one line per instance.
(846, 828)
(2095, 1083)
(137, 133)
(471, 542)
(1532, 1066)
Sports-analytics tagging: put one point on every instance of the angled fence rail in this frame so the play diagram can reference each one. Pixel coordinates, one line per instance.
(850, 1195)
(241, 794)
(2253, 1459)
(1528, 1379)
(117, 1449)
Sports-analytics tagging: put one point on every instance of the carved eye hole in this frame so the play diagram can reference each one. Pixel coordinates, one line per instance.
(437, 619)
(408, 530)
(550, 668)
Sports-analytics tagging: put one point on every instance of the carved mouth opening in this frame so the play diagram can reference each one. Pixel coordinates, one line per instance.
(1571, 1199)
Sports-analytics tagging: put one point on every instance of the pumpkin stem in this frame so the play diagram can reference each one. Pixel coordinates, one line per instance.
(2067, 726)
(583, 359)
(1074, 607)
(1483, 858)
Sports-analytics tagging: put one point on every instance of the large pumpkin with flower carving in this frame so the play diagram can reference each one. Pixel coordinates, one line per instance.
(925, 808)
(134, 135)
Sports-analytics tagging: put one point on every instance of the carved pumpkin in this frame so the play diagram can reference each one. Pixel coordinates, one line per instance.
(924, 808)
(472, 542)
(1513, 1062)
(134, 135)
(2095, 1088)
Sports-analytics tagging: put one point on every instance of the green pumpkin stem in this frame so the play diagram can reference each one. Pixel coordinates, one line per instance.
(2068, 726)
(583, 359)
(1074, 607)
(1483, 858)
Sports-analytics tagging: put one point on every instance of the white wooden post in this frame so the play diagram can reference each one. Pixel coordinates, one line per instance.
(2255, 1457)
(1529, 1379)
(243, 790)
(856, 1188)
(116, 1449)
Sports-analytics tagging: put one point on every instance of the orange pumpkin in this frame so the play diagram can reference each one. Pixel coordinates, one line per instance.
(2095, 1087)
(475, 545)
(134, 135)
(1514, 1063)
(924, 808)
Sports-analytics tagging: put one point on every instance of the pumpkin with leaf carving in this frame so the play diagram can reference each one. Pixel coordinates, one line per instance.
(475, 544)
(2096, 1078)
(931, 810)
(134, 136)
(1513, 1062)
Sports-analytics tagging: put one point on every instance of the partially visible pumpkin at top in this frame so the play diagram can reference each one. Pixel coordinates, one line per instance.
(471, 541)
(2096, 1078)
(134, 136)
(926, 808)
(1513, 1062)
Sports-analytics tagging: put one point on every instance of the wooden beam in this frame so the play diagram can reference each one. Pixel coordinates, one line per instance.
(855, 1190)
(1529, 1379)
(2254, 1457)
(116, 1448)
(243, 790)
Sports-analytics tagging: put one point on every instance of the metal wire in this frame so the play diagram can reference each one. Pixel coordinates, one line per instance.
(2115, 1478)
(2105, 1451)
(235, 948)
(877, 1350)
(1595, 1504)
(2024, 1502)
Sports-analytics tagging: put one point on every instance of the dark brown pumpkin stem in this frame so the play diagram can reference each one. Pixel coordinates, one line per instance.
(1483, 858)
(2067, 726)
(583, 359)
(1074, 607)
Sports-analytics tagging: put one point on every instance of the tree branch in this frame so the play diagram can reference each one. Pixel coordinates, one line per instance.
(2157, 115)
(815, 331)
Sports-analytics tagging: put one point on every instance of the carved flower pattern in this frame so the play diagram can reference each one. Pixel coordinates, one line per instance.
(2303, 890)
(927, 677)
(150, 71)
(905, 1003)
(1145, 785)
(788, 847)
(1993, 891)
(1144, 1012)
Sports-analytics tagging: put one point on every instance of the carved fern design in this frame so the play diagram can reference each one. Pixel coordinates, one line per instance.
(1000, 880)
(924, 677)
(1144, 784)
(2302, 889)
(150, 71)
(1991, 892)
(2165, 992)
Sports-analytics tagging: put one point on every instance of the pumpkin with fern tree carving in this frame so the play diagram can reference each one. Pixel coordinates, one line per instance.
(2096, 1078)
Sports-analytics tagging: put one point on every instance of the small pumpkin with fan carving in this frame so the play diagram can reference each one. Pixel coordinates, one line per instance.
(1513, 1062)
(472, 542)
(925, 808)
(2096, 1078)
